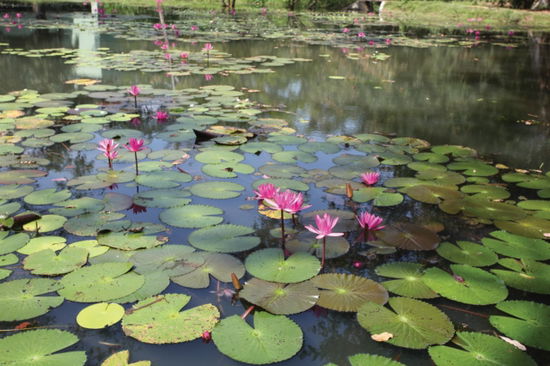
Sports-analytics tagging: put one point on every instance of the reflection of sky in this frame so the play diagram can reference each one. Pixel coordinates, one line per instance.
(86, 39)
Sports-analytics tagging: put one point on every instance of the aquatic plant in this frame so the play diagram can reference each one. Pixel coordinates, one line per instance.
(325, 225)
(134, 145)
(134, 91)
(109, 149)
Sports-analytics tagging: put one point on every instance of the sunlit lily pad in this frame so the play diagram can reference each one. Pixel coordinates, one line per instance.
(39, 243)
(217, 190)
(45, 224)
(466, 284)
(270, 265)
(274, 338)
(473, 167)
(379, 196)
(260, 147)
(122, 358)
(525, 274)
(278, 298)
(413, 323)
(13, 191)
(155, 283)
(163, 179)
(158, 320)
(100, 315)
(530, 324)
(219, 266)
(517, 246)
(90, 224)
(100, 282)
(282, 170)
(162, 198)
(292, 156)
(466, 252)
(78, 206)
(224, 238)
(13, 242)
(456, 151)
(409, 280)
(219, 156)
(19, 299)
(346, 292)
(48, 263)
(479, 350)
(192, 216)
(283, 184)
(487, 191)
(38, 347)
(532, 227)
(129, 240)
(227, 170)
(21, 176)
(335, 246)
(432, 194)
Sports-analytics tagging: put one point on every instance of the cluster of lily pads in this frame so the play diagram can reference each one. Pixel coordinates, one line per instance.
(68, 235)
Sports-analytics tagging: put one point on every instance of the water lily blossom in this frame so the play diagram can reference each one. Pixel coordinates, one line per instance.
(194, 28)
(370, 221)
(325, 225)
(286, 201)
(161, 116)
(134, 91)
(345, 30)
(361, 35)
(370, 178)
(207, 47)
(108, 147)
(265, 191)
(134, 144)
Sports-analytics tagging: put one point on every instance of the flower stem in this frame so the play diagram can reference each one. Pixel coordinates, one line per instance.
(282, 229)
(324, 251)
(110, 163)
(135, 155)
(135, 101)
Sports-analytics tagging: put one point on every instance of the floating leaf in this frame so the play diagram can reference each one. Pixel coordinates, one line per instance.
(12, 243)
(517, 246)
(162, 198)
(91, 223)
(100, 282)
(21, 176)
(526, 275)
(192, 216)
(47, 263)
(173, 260)
(346, 292)
(282, 170)
(45, 224)
(283, 184)
(530, 325)
(37, 347)
(43, 242)
(227, 170)
(531, 226)
(278, 298)
(217, 190)
(335, 246)
(432, 194)
(220, 266)
(469, 285)
(473, 167)
(155, 283)
(163, 179)
(409, 236)
(479, 350)
(274, 338)
(466, 252)
(487, 191)
(413, 323)
(270, 265)
(379, 196)
(100, 315)
(158, 320)
(224, 238)
(218, 156)
(122, 359)
(19, 299)
(409, 281)
(129, 240)
(364, 359)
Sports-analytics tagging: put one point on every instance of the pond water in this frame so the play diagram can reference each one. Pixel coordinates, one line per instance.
(353, 97)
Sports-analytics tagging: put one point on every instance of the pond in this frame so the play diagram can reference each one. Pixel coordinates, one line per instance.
(454, 125)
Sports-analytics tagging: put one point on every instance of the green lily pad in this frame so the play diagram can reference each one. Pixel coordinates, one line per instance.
(45, 224)
(21, 176)
(224, 238)
(282, 170)
(218, 156)
(12, 243)
(116, 202)
(334, 248)
(92, 246)
(270, 265)
(490, 192)
(378, 195)
(158, 320)
(227, 170)
(173, 260)
(526, 275)
(431, 157)
(409, 282)
(466, 252)
(220, 266)
(155, 283)
(129, 241)
(13, 191)
(456, 151)
(278, 298)
(39, 243)
(90, 224)
(78, 206)
(346, 292)
(409, 236)
(217, 190)
(483, 208)
(432, 194)
(292, 156)
(413, 323)
(283, 184)
(532, 227)
(259, 147)
(192, 216)
(364, 359)
(530, 324)
(163, 179)
(122, 358)
(47, 263)
(100, 315)
(474, 168)
(100, 282)
(469, 285)
(162, 198)
(479, 350)
(274, 338)
(37, 347)
(319, 146)
(19, 299)
(517, 246)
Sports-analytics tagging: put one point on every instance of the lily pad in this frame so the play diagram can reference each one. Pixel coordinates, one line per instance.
(37, 347)
(21, 176)
(13, 242)
(122, 358)
(45, 224)
(163, 179)
(39, 243)
(129, 241)
(227, 170)
(526, 275)
(479, 350)
(378, 195)
(409, 236)
(274, 338)
(220, 266)
(19, 299)
(467, 284)
(155, 283)
(219, 156)
(192, 216)
(100, 315)
(335, 246)
(162, 198)
(346, 292)
(158, 320)
(283, 184)
(224, 238)
(217, 190)
(473, 167)
(517, 246)
(282, 170)
(466, 252)
(47, 263)
(532, 227)
(413, 323)
(270, 265)
(409, 282)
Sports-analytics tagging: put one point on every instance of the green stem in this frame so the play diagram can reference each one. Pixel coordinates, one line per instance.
(135, 155)
(324, 251)
(282, 229)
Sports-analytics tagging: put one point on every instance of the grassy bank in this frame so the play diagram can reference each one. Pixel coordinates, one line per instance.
(451, 14)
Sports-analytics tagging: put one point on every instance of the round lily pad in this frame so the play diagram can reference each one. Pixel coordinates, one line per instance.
(39, 243)
(467, 284)
(129, 241)
(20, 299)
(517, 246)
(259, 147)
(78, 206)
(378, 195)
(155, 283)
(100, 282)
(220, 266)
(274, 338)
(278, 298)
(432, 194)
(21, 176)
(218, 156)
(491, 192)
(473, 167)
(532, 227)
(364, 359)
(224, 238)
(466, 252)
(47, 263)
(173, 260)
(409, 280)
(163, 179)
(346, 292)
(282, 170)
(162, 198)
(13, 242)
(283, 184)
(158, 320)
(409, 236)
(38, 347)
(479, 350)
(270, 265)
(122, 358)
(192, 216)
(227, 170)
(413, 323)
(100, 315)
(13, 191)
(530, 323)
(217, 190)
(45, 224)
(335, 246)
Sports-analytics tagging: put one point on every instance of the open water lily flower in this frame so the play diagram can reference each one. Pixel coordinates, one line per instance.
(108, 147)
(325, 224)
(370, 221)
(265, 191)
(134, 144)
(370, 178)
(208, 47)
(134, 90)
(161, 116)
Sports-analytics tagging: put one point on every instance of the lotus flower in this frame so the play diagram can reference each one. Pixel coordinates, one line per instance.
(207, 47)
(208, 77)
(286, 201)
(361, 35)
(345, 30)
(194, 28)
(325, 224)
(134, 91)
(134, 145)
(161, 116)
(108, 147)
(370, 178)
(370, 221)
(297, 204)
(265, 191)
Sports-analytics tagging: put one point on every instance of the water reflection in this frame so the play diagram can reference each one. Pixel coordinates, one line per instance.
(85, 38)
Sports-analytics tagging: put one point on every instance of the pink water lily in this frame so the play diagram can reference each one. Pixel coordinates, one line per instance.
(370, 178)
(370, 221)
(345, 30)
(194, 28)
(108, 147)
(161, 116)
(325, 225)
(286, 201)
(208, 47)
(134, 144)
(265, 191)
(208, 77)
(361, 35)
(134, 91)
(297, 204)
